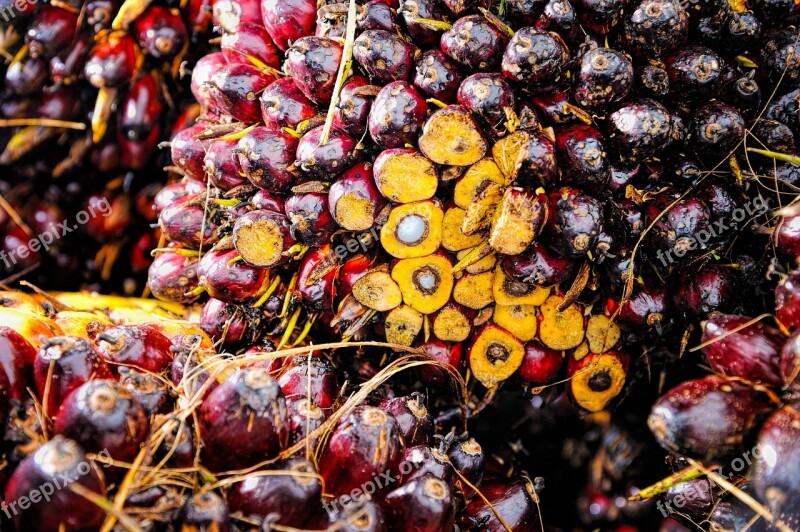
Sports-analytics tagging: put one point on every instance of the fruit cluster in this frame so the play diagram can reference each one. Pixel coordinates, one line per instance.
(135, 405)
(89, 89)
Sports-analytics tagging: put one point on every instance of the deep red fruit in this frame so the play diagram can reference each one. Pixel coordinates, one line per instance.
(787, 238)
(228, 15)
(243, 421)
(68, 65)
(474, 42)
(266, 157)
(706, 418)
(354, 200)
(304, 418)
(319, 160)
(286, 21)
(384, 56)
(775, 474)
(26, 76)
(365, 443)
(151, 392)
(677, 232)
(427, 461)
(64, 509)
(712, 289)
(224, 322)
(648, 306)
(51, 31)
(222, 166)
(310, 219)
(161, 32)
(582, 154)
(250, 42)
(751, 353)
(316, 279)
(283, 104)
(313, 63)
(139, 346)
(17, 357)
(790, 360)
(540, 365)
(423, 504)
(451, 354)
(189, 225)
(201, 85)
(112, 62)
(512, 500)
(437, 76)
(235, 89)
(102, 415)
(355, 102)
(397, 115)
(639, 129)
(74, 361)
(205, 511)
(490, 99)
(320, 386)
(172, 276)
(292, 496)
(413, 418)
(229, 279)
(537, 265)
(360, 515)
(188, 152)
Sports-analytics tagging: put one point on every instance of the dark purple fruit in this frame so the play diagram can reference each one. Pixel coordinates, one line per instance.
(413, 418)
(221, 165)
(172, 276)
(283, 104)
(490, 99)
(778, 59)
(639, 129)
(189, 224)
(694, 72)
(51, 31)
(536, 58)
(310, 220)
(745, 95)
(706, 418)
(243, 420)
(427, 461)
(397, 115)
(468, 459)
(365, 443)
(437, 76)
(313, 377)
(266, 157)
(474, 42)
(513, 500)
(354, 199)
(139, 346)
(560, 17)
(680, 231)
(292, 496)
(355, 102)
(384, 56)
(161, 32)
(647, 306)
(716, 130)
(600, 16)
(537, 265)
(235, 90)
(304, 418)
(605, 78)
(151, 392)
(205, 511)
(313, 63)
(411, 10)
(711, 289)
(652, 81)
(655, 28)
(102, 415)
(774, 474)
(424, 504)
(578, 220)
(45, 471)
(751, 353)
(582, 155)
(323, 161)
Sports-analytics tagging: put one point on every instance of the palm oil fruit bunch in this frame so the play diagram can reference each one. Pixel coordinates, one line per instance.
(134, 405)
(89, 90)
(552, 194)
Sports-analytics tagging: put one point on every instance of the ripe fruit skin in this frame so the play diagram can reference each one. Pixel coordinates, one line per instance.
(65, 509)
(751, 353)
(204, 511)
(51, 30)
(540, 365)
(775, 470)
(313, 63)
(655, 28)
(321, 386)
(74, 362)
(712, 289)
(512, 500)
(716, 129)
(250, 42)
(243, 420)
(605, 78)
(639, 129)
(437, 76)
(161, 32)
(384, 56)
(140, 346)
(355, 102)
(474, 42)
(413, 419)
(490, 98)
(397, 115)
(706, 418)
(283, 104)
(288, 21)
(424, 504)
(450, 354)
(578, 220)
(468, 459)
(365, 443)
(102, 415)
(427, 461)
(292, 496)
(235, 90)
(325, 160)
(536, 58)
(537, 265)
(354, 200)
(17, 357)
(171, 276)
